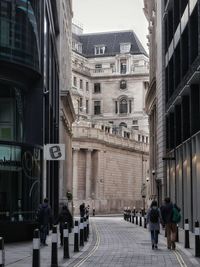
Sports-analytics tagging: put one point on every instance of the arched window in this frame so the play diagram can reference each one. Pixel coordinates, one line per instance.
(123, 124)
(123, 106)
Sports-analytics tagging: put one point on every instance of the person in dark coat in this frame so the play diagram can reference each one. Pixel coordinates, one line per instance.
(171, 227)
(154, 225)
(82, 210)
(64, 216)
(44, 219)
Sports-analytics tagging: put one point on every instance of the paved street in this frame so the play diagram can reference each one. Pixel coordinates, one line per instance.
(112, 242)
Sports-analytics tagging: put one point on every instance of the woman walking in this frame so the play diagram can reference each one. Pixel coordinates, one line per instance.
(153, 220)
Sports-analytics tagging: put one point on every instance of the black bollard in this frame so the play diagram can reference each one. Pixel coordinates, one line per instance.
(82, 232)
(177, 233)
(136, 218)
(2, 253)
(85, 230)
(197, 240)
(145, 220)
(36, 249)
(54, 247)
(140, 219)
(88, 227)
(66, 242)
(76, 237)
(187, 241)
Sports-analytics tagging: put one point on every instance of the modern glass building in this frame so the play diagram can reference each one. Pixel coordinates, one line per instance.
(182, 98)
(28, 114)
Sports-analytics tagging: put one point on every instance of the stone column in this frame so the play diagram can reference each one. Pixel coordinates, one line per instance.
(88, 173)
(75, 173)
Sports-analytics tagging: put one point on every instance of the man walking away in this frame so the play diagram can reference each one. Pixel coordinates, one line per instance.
(64, 216)
(44, 219)
(153, 220)
(171, 226)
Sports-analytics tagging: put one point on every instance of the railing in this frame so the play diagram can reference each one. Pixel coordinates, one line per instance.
(108, 71)
(93, 133)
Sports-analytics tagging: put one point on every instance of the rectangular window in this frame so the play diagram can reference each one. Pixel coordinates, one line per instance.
(116, 107)
(97, 88)
(81, 84)
(87, 86)
(139, 137)
(81, 104)
(99, 49)
(98, 66)
(123, 66)
(130, 106)
(74, 81)
(97, 107)
(135, 122)
(87, 106)
(125, 47)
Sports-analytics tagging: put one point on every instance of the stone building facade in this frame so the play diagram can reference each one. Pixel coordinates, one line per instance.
(110, 79)
(109, 171)
(110, 135)
(155, 105)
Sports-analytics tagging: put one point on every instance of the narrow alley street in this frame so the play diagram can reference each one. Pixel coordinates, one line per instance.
(112, 242)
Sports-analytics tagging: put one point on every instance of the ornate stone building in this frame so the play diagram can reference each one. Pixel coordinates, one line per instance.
(109, 83)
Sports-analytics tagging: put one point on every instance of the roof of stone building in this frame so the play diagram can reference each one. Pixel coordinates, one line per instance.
(111, 40)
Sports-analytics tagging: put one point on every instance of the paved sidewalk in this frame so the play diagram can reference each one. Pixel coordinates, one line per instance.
(112, 242)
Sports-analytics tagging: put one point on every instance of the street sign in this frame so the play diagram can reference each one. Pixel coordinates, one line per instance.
(54, 152)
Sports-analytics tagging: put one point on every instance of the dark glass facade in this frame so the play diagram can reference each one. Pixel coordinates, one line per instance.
(182, 97)
(19, 38)
(29, 113)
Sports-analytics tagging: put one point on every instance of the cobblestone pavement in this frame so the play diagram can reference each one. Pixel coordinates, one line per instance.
(112, 242)
(122, 244)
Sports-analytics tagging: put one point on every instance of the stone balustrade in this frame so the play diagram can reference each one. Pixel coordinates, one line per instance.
(100, 135)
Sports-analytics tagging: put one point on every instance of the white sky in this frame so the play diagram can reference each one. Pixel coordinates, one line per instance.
(111, 15)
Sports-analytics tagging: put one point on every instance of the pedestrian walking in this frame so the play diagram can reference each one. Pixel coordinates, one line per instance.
(64, 217)
(44, 216)
(82, 210)
(154, 219)
(169, 217)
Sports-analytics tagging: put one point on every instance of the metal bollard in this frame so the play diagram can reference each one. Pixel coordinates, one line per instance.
(76, 237)
(177, 233)
(88, 227)
(140, 219)
(36, 249)
(85, 230)
(145, 220)
(187, 241)
(197, 240)
(66, 242)
(2, 252)
(54, 246)
(82, 232)
(136, 218)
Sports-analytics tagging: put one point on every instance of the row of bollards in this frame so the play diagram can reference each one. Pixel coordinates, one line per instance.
(135, 216)
(81, 234)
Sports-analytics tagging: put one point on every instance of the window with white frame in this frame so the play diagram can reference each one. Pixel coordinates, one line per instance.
(87, 86)
(125, 47)
(99, 49)
(97, 88)
(75, 81)
(97, 107)
(123, 106)
(81, 84)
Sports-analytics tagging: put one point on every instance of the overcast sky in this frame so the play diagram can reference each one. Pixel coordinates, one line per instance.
(111, 15)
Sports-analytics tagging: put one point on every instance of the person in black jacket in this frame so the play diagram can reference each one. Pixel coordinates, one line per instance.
(44, 219)
(64, 216)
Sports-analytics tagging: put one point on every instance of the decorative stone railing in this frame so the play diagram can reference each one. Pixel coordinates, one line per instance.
(100, 135)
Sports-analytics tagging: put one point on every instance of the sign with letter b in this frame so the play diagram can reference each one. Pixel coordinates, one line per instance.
(54, 152)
